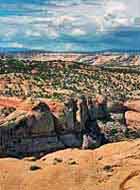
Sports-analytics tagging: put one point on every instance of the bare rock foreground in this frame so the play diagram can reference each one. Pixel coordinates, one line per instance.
(112, 167)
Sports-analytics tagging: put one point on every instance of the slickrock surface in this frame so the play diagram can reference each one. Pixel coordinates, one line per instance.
(112, 167)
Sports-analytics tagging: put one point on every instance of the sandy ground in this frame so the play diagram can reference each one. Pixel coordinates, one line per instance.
(111, 167)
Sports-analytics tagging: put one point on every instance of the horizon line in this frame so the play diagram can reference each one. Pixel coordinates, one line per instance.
(22, 51)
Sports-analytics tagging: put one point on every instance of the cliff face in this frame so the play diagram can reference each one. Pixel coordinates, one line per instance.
(33, 128)
(36, 127)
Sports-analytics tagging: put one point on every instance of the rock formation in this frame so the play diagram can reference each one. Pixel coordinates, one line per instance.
(132, 117)
(70, 113)
(101, 104)
(82, 113)
(38, 125)
(24, 132)
(34, 127)
(133, 105)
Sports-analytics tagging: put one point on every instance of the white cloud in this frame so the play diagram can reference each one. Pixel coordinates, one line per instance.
(11, 45)
(104, 15)
(63, 19)
(54, 19)
(112, 6)
(16, 45)
(78, 32)
(31, 33)
(116, 14)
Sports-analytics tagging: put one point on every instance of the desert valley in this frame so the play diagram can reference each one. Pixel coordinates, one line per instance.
(44, 99)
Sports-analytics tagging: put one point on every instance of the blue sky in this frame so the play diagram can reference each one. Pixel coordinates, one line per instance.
(70, 25)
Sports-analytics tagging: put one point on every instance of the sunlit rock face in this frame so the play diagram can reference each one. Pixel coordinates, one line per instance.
(29, 131)
(132, 117)
(33, 128)
(133, 105)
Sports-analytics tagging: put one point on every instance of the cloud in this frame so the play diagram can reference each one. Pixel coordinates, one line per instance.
(59, 22)
(78, 32)
(11, 45)
(31, 33)
(16, 45)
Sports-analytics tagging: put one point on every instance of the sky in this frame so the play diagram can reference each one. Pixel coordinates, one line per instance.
(70, 25)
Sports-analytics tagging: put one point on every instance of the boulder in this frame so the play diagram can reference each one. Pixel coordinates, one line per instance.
(133, 105)
(132, 118)
(133, 124)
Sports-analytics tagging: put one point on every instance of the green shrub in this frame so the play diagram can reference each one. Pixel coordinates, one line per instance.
(113, 131)
(34, 167)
